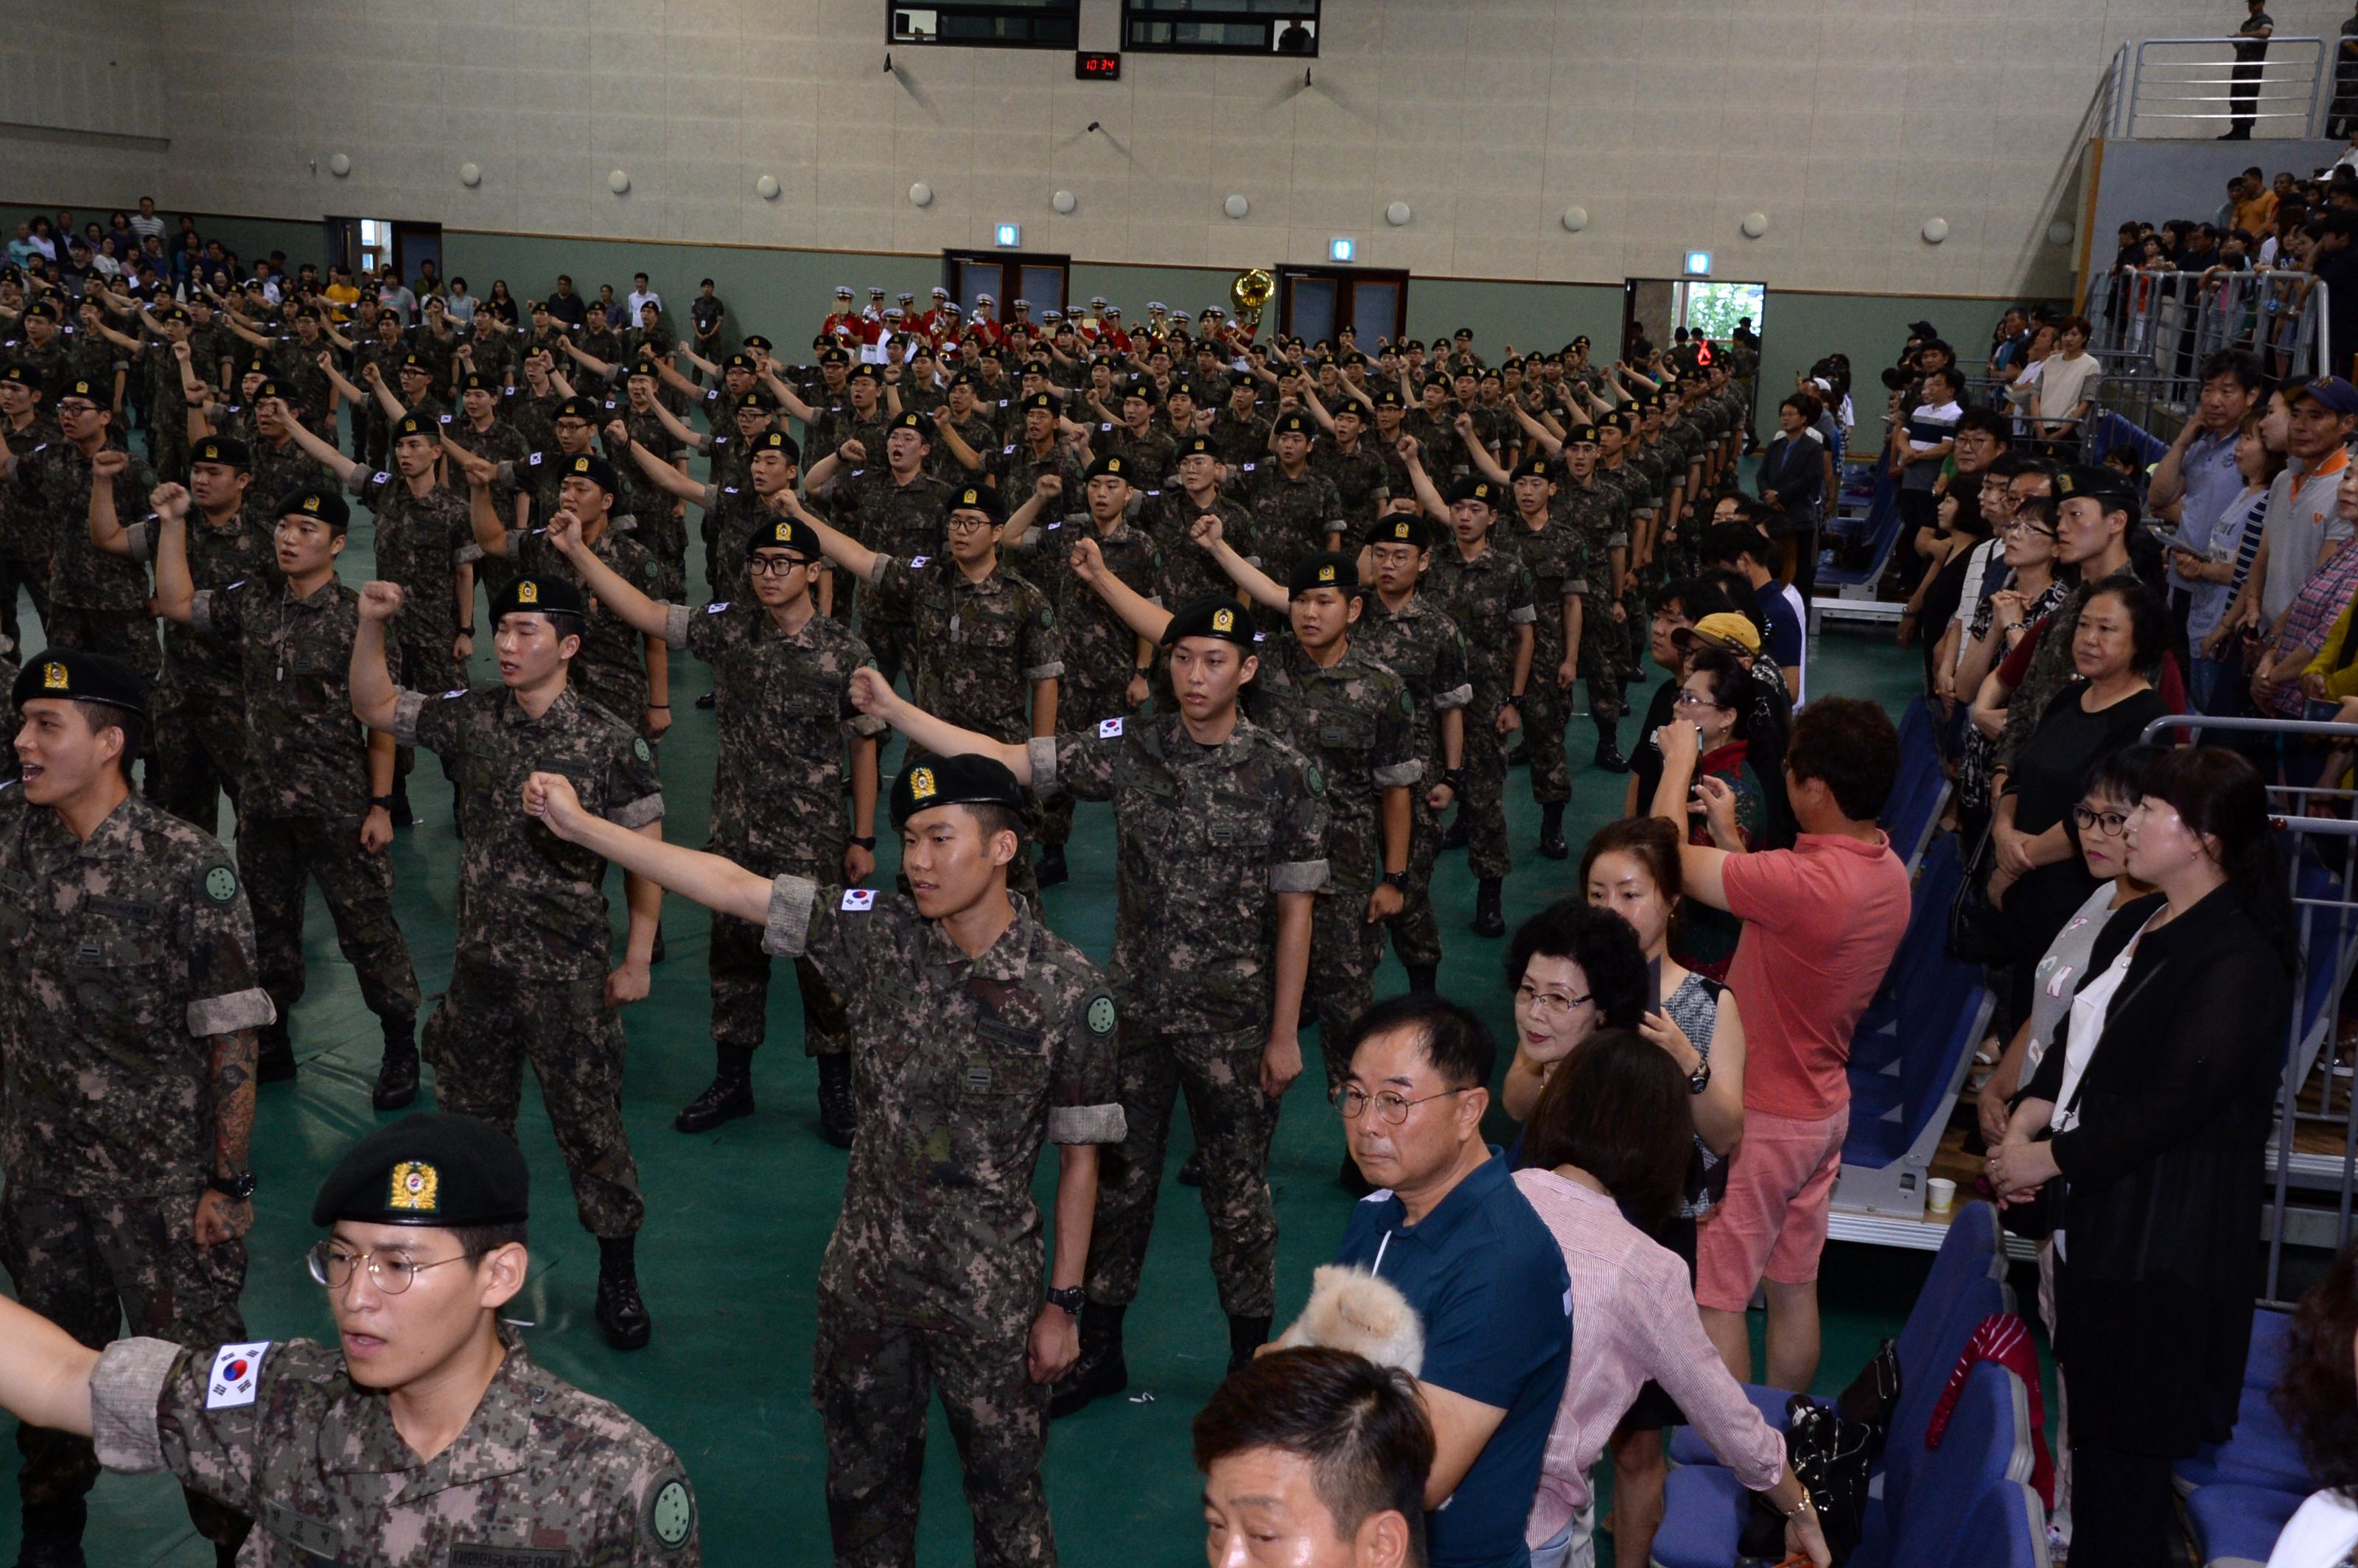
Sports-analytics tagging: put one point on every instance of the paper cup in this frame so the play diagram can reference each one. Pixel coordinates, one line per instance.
(1940, 1194)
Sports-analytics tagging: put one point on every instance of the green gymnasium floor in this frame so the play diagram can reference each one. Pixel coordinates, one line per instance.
(736, 1219)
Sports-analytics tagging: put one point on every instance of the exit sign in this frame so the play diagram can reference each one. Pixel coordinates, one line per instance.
(1087, 67)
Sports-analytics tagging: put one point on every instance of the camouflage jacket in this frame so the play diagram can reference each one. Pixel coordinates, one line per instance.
(1362, 483)
(1151, 456)
(965, 1067)
(421, 543)
(1356, 719)
(1239, 441)
(1206, 838)
(979, 646)
(784, 703)
(56, 480)
(979, 431)
(1188, 571)
(199, 668)
(25, 534)
(306, 755)
(128, 952)
(542, 1473)
(904, 520)
(531, 905)
(1100, 650)
(611, 668)
(1488, 596)
(1423, 646)
(1291, 518)
(279, 469)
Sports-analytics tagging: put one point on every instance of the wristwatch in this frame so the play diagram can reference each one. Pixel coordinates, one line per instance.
(237, 1189)
(1396, 879)
(1700, 1079)
(1072, 1299)
(383, 802)
(1515, 700)
(867, 843)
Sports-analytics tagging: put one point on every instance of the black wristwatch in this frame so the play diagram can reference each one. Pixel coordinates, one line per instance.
(1454, 778)
(1071, 1299)
(1515, 700)
(383, 802)
(1396, 879)
(1700, 1079)
(237, 1189)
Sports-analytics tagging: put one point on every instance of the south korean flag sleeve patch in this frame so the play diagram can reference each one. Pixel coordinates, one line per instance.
(1109, 728)
(237, 1368)
(859, 900)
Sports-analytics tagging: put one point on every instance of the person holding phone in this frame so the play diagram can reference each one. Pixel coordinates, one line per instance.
(1708, 780)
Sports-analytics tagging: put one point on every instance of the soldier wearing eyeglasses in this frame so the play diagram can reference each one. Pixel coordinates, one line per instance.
(425, 1434)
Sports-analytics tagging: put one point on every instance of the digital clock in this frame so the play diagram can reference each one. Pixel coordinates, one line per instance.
(1087, 67)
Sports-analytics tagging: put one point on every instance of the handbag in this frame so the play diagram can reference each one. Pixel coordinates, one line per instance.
(1873, 1394)
(1831, 1458)
(1978, 932)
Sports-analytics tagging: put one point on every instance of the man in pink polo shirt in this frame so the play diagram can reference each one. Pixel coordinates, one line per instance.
(1820, 922)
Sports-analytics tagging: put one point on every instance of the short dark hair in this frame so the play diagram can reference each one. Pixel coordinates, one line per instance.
(1723, 542)
(1695, 597)
(1988, 421)
(1619, 1108)
(478, 1241)
(2240, 364)
(1361, 1427)
(104, 716)
(1455, 1042)
(1847, 742)
(1603, 944)
(2148, 621)
(996, 820)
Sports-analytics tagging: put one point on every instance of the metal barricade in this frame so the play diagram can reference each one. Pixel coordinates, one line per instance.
(2152, 330)
(2314, 1094)
(2195, 87)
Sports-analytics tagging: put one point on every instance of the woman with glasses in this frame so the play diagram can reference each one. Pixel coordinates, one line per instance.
(1705, 764)
(2039, 878)
(2031, 592)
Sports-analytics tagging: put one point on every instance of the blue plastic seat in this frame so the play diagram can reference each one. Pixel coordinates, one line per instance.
(2237, 1526)
(2262, 1452)
(1985, 1446)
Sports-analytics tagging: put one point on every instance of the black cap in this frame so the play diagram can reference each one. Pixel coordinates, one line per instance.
(1473, 489)
(442, 1170)
(23, 375)
(754, 397)
(539, 596)
(868, 372)
(776, 441)
(786, 533)
(417, 363)
(1388, 397)
(315, 500)
(1922, 330)
(1401, 528)
(1580, 436)
(1196, 446)
(1327, 568)
(476, 381)
(1142, 390)
(965, 378)
(737, 362)
(2107, 486)
(1294, 425)
(912, 421)
(227, 450)
(835, 356)
(103, 396)
(584, 409)
(965, 780)
(1214, 615)
(410, 424)
(69, 675)
(594, 469)
(1112, 464)
(1046, 400)
(974, 498)
(755, 340)
(1537, 468)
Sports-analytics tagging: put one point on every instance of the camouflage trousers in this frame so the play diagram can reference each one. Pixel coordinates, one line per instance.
(889, 641)
(32, 578)
(199, 748)
(1346, 947)
(1603, 642)
(1221, 1076)
(1547, 709)
(872, 1380)
(1416, 933)
(490, 1025)
(1482, 805)
(740, 973)
(274, 854)
(1077, 706)
(126, 635)
(91, 1266)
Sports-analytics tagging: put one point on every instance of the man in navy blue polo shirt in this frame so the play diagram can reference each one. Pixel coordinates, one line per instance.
(1452, 1233)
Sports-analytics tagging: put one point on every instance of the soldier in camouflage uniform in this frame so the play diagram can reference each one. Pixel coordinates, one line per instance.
(98, 603)
(425, 1215)
(1297, 512)
(43, 345)
(1194, 491)
(156, 363)
(1220, 831)
(894, 508)
(1039, 449)
(1240, 435)
(1549, 554)
(130, 1003)
(782, 673)
(1136, 438)
(735, 510)
(1107, 665)
(979, 1036)
(266, 424)
(198, 757)
(25, 539)
(1487, 592)
(1596, 516)
(316, 797)
(1618, 468)
(1361, 477)
(91, 357)
(384, 350)
(531, 982)
(965, 435)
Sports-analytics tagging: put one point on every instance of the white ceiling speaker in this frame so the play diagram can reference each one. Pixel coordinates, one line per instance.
(1575, 218)
(1397, 214)
(617, 182)
(921, 195)
(471, 175)
(1236, 207)
(1755, 224)
(339, 164)
(766, 188)
(2062, 231)
(1935, 230)
(1063, 201)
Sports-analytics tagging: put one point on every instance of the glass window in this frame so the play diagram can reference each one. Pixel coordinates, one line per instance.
(1221, 27)
(1011, 24)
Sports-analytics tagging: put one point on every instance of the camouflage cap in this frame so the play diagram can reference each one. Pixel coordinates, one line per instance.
(439, 1169)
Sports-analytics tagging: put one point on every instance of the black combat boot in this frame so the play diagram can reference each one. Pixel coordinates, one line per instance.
(396, 1075)
(620, 1312)
(1552, 842)
(276, 1062)
(1051, 869)
(728, 1096)
(1424, 977)
(1489, 919)
(1608, 746)
(838, 1111)
(1191, 1170)
(705, 702)
(52, 1536)
(1101, 1372)
(1245, 1335)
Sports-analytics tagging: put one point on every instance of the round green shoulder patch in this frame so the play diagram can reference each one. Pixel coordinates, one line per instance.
(653, 570)
(221, 884)
(1313, 778)
(671, 1514)
(1100, 1014)
(638, 750)
(1047, 619)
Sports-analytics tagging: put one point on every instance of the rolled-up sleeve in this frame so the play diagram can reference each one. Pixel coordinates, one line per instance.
(1297, 876)
(637, 813)
(248, 1009)
(1454, 697)
(677, 617)
(786, 933)
(126, 1388)
(1397, 774)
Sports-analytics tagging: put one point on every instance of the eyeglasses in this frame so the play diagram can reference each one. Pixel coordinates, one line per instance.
(773, 565)
(1692, 700)
(2111, 824)
(958, 523)
(1550, 1001)
(2024, 526)
(1393, 1107)
(332, 1266)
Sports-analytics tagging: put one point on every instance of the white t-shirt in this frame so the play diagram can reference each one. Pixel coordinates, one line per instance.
(2321, 1534)
(2064, 384)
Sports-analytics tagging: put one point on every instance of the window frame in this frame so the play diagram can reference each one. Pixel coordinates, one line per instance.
(994, 10)
(1151, 11)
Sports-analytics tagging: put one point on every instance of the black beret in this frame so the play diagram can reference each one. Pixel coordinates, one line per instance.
(594, 469)
(411, 425)
(1294, 425)
(1532, 467)
(1242, 381)
(227, 450)
(868, 372)
(1142, 390)
(1580, 436)
(1214, 615)
(315, 500)
(476, 381)
(1401, 528)
(72, 675)
(23, 375)
(40, 311)
(1473, 489)
(755, 340)
(974, 498)
(754, 397)
(1112, 464)
(737, 362)
(2109, 486)
(1046, 400)
(911, 422)
(966, 780)
(439, 1169)
(414, 361)
(1327, 568)
(786, 533)
(540, 596)
(965, 378)
(1388, 397)
(834, 357)
(778, 441)
(1196, 446)
(584, 409)
(90, 390)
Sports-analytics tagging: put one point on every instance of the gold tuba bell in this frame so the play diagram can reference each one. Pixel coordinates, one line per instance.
(1252, 292)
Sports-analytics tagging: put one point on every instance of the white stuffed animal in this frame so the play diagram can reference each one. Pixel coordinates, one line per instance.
(1353, 1310)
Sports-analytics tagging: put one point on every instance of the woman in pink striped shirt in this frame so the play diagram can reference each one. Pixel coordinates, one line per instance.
(1609, 1143)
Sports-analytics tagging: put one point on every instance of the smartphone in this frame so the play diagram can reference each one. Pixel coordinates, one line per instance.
(2169, 539)
(1654, 986)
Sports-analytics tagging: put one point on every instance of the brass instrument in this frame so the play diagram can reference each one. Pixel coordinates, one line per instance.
(1252, 292)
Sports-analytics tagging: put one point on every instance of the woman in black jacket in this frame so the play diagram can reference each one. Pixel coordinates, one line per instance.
(1792, 481)
(2159, 1104)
